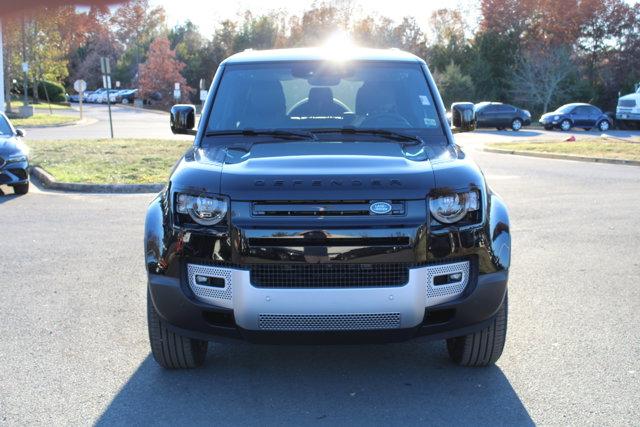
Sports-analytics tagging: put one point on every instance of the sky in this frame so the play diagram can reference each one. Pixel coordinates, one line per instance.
(206, 13)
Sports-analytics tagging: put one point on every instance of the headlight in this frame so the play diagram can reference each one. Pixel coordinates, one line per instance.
(17, 158)
(204, 210)
(453, 207)
(556, 117)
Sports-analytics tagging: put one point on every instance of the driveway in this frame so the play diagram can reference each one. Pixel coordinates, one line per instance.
(128, 122)
(74, 349)
(482, 136)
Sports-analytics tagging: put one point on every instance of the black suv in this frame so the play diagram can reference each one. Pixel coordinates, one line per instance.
(325, 200)
(501, 116)
(14, 159)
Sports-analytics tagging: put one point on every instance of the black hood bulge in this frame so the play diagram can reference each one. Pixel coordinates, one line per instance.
(327, 171)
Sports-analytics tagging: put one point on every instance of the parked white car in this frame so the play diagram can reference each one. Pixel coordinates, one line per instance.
(95, 95)
(628, 110)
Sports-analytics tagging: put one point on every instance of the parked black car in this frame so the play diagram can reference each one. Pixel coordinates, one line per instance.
(325, 200)
(579, 115)
(501, 116)
(14, 159)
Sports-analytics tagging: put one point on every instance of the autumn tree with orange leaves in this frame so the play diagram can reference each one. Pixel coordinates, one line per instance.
(160, 72)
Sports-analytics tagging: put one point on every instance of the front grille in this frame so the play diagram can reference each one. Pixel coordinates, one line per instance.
(328, 322)
(323, 208)
(627, 103)
(329, 275)
(4, 178)
(20, 173)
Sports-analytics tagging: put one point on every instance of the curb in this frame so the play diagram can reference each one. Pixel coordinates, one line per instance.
(564, 157)
(50, 183)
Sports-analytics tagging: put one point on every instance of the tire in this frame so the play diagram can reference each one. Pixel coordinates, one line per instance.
(603, 125)
(21, 188)
(565, 125)
(484, 347)
(516, 125)
(170, 350)
(125, 101)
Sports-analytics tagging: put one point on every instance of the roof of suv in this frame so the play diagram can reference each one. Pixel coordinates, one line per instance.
(321, 54)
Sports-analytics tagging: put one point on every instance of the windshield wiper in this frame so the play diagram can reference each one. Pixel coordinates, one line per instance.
(391, 134)
(276, 133)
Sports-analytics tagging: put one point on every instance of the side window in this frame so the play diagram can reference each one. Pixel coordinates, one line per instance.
(593, 111)
(505, 108)
(579, 111)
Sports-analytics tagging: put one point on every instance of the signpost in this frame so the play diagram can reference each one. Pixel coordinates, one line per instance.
(176, 92)
(80, 86)
(106, 82)
(203, 91)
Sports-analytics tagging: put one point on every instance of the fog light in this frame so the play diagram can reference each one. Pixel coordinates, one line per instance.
(447, 279)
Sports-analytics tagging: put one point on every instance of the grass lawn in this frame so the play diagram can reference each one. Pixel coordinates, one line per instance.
(107, 161)
(44, 120)
(16, 104)
(589, 147)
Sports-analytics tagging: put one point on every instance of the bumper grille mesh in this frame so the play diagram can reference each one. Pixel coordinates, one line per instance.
(437, 294)
(329, 322)
(329, 275)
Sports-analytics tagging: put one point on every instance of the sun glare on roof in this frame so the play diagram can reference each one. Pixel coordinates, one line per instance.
(339, 46)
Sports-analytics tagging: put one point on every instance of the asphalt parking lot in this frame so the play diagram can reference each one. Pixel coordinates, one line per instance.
(74, 350)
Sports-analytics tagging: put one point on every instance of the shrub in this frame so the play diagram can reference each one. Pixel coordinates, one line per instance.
(54, 90)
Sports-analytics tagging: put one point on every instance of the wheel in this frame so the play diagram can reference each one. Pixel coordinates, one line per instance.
(565, 125)
(484, 347)
(603, 125)
(21, 188)
(170, 350)
(516, 125)
(125, 101)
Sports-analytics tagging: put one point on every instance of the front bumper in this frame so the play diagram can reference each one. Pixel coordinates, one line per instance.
(628, 116)
(241, 310)
(14, 173)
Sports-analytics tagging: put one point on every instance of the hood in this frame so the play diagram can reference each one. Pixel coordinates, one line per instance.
(318, 170)
(10, 145)
(632, 96)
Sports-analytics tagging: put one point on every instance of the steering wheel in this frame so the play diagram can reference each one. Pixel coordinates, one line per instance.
(386, 120)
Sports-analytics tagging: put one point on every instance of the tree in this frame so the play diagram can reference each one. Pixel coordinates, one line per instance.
(454, 85)
(160, 72)
(192, 49)
(136, 25)
(539, 76)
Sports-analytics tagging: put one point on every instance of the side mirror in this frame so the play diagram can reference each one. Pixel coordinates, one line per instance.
(183, 119)
(462, 116)
(20, 132)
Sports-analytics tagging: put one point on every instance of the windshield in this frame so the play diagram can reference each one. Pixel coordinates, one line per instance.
(5, 128)
(324, 95)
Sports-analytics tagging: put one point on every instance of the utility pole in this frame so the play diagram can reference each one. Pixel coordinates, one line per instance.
(2, 107)
(25, 65)
(26, 110)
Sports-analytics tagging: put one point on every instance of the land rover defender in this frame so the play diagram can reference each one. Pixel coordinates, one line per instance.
(324, 200)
